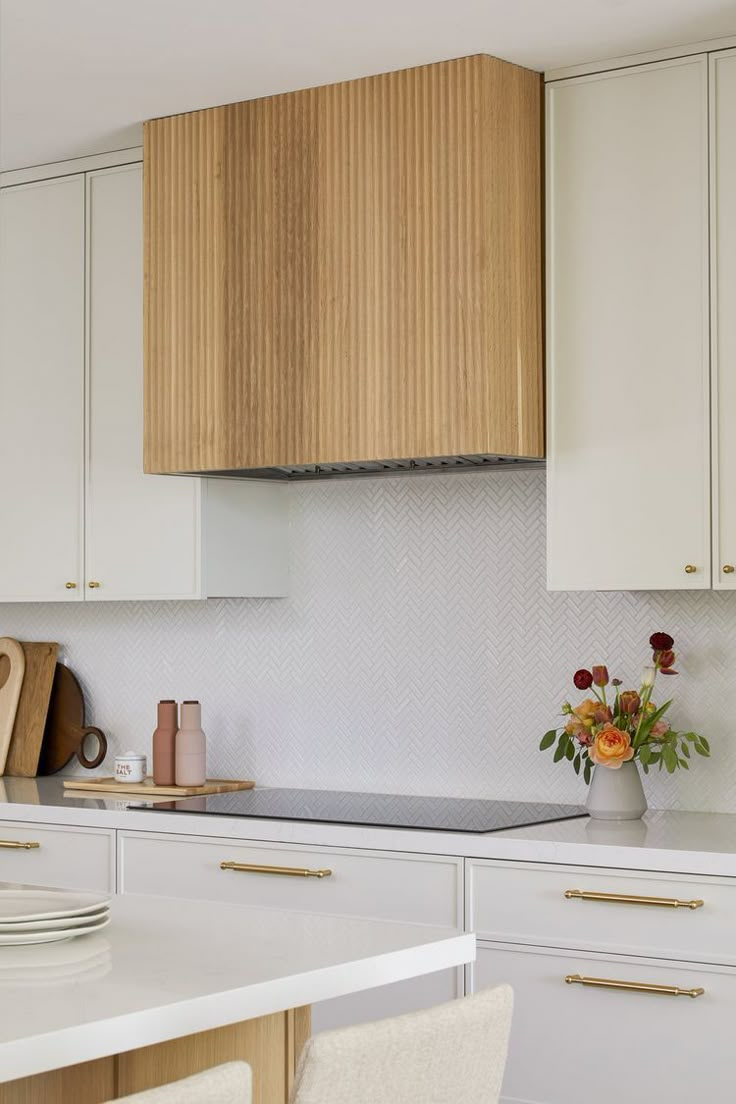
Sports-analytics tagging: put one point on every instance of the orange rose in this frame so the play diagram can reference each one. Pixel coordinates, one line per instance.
(586, 711)
(611, 747)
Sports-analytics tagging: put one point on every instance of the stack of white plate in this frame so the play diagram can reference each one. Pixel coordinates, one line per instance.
(31, 914)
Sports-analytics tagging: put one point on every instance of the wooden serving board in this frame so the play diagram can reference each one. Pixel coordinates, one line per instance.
(30, 717)
(149, 789)
(13, 662)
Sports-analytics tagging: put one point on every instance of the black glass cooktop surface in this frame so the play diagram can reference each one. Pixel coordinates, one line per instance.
(440, 814)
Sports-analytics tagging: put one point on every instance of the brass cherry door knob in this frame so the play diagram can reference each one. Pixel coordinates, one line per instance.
(690, 569)
(728, 569)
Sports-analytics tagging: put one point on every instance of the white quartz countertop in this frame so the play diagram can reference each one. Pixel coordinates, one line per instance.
(160, 971)
(688, 843)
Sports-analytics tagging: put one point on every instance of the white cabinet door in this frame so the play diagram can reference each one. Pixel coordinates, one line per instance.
(42, 390)
(574, 1044)
(723, 314)
(628, 374)
(142, 531)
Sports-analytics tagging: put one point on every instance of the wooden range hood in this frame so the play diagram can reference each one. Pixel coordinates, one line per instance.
(347, 279)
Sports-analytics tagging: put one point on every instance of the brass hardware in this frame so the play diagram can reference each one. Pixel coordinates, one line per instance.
(633, 986)
(632, 899)
(690, 569)
(728, 569)
(288, 871)
(70, 586)
(17, 845)
(93, 586)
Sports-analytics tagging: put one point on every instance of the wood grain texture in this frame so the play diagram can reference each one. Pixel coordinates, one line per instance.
(270, 1044)
(30, 717)
(86, 1083)
(263, 1043)
(350, 272)
(110, 785)
(11, 683)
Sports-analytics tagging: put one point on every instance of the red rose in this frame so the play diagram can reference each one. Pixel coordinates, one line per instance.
(600, 675)
(583, 679)
(661, 642)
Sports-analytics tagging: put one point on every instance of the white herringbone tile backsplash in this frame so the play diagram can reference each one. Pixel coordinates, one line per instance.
(419, 652)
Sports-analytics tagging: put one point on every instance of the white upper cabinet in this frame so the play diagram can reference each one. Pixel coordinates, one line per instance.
(723, 314)
(80, 520)
(42, 390)
(141, 531)
(628, 344)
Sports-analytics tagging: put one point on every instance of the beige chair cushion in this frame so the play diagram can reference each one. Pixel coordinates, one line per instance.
(228, 1084)
(453, 1054)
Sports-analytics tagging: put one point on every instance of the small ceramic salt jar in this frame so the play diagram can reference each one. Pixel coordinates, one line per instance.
(130, 767)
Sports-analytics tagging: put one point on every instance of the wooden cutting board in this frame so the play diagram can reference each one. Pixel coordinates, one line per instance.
(30, 717)
(147, 788)
(12, 669)
(66, 731)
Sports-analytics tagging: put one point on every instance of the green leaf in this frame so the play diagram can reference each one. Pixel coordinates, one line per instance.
(649, 722)
(701, 749)
(691, 736)
(685, 749)
(570, 749)
(576, 763)
(684, 763)
(559, 751)
(645, 754)
(588, 770)
(705, 744)
(548, 739)
(669, 757)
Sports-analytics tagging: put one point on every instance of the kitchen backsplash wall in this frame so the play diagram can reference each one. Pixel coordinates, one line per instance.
(419, 652)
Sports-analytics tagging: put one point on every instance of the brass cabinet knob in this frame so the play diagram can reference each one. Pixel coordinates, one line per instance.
(728, 569)
(93, 586)
(690, 569)
(70, 586)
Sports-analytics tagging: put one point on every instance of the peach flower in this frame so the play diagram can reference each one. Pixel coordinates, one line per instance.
(611, 747)
(581, 720)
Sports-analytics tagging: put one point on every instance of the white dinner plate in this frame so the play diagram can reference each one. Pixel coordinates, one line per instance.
(55, 936)
(81, 921)
(25, 904)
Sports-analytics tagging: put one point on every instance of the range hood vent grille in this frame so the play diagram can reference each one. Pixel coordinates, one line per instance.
(423, 466)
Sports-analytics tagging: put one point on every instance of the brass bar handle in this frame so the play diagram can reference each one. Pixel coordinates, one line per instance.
(286, 871)
(19, 845)
(633, 986)
(632, 899)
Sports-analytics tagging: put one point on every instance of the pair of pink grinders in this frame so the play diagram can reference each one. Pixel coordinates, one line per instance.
(179, 747)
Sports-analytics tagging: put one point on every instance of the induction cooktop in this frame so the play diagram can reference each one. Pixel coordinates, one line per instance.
(439, 814)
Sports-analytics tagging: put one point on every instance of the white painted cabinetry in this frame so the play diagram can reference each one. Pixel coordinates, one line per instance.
(723, 314)
(375, 885)
(68, 856)
(80, 519)
(628, 342)
(573, 1043)
(42, 390)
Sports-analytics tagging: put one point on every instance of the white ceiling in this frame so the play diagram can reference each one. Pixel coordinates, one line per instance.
(79, 76)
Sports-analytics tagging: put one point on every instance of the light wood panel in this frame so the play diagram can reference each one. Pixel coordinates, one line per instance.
(270, 1044)
(30, 719)
(350, 272)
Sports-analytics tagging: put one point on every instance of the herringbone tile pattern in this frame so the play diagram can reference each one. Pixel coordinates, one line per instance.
(419, 652)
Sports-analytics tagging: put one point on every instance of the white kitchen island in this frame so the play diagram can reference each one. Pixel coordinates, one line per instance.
(172, 987)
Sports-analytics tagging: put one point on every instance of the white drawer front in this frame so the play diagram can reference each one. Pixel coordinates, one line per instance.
(368, 884)
(526, 903)
(70, 858)
(574, 1045)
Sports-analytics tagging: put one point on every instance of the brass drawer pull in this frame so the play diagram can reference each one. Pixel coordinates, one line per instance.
(18, 845)
(631, 899)
(287, 871)
(633, 986)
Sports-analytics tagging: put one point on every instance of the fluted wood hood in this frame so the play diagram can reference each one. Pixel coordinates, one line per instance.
(347, 278)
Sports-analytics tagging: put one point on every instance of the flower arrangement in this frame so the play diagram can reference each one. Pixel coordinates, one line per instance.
(631, 726)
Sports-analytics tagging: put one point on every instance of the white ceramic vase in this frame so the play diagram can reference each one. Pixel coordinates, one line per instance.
(616, 793)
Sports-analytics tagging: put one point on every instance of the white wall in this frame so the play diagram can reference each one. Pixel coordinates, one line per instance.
(420, 651)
